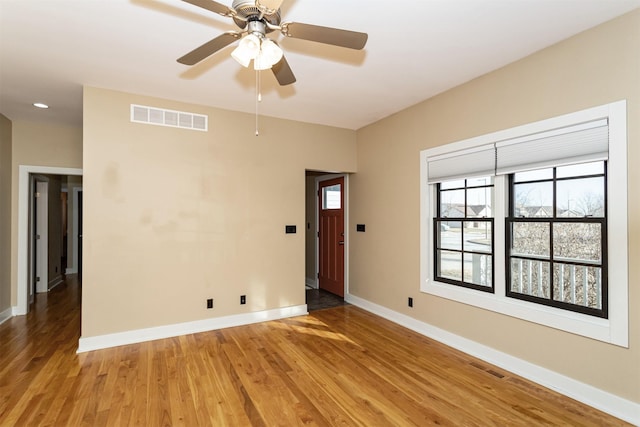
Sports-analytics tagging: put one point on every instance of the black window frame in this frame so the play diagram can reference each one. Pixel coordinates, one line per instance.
(603, 312)
(438, 219)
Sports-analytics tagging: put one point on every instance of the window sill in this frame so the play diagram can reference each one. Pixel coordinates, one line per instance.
(580, 324)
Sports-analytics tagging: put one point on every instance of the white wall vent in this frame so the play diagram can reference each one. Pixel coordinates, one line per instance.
(162, 117)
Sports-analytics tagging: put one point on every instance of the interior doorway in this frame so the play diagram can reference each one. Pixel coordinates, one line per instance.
(331, 236)
(39, 236)
(78, 235)
(26, 259)
(327, 237)
(53, 217)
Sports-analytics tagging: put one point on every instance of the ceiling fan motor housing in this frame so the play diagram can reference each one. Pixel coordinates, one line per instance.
(248, 11)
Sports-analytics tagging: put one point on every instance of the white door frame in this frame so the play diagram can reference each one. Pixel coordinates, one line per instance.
(319, 179)
(24, 171)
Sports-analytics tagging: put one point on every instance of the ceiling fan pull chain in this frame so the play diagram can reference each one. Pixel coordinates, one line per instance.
(259, 85)
(258, 99)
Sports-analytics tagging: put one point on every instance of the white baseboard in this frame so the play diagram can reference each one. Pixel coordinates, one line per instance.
(168, 331)
(585, 393)
(311, 282)
(71, 271)
(6, 315)
(54, 282)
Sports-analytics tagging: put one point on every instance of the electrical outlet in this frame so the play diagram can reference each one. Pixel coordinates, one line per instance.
(243, 299)
(410, 302)
(210, 303)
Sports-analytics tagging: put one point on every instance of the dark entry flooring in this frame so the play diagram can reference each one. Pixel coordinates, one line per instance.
(317, 299)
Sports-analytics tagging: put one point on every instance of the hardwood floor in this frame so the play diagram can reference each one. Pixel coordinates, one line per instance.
(338, 366)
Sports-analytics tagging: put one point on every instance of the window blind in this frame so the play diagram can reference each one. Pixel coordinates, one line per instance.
(470, 163)
(580, 143)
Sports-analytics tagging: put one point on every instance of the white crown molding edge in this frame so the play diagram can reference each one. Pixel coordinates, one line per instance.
(149, 334)
(587, 394)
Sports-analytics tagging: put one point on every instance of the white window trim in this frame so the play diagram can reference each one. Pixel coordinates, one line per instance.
(615, 329)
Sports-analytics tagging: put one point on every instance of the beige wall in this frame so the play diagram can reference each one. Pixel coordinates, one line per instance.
(5, 213)
(39, 144)
(173, 217)
(599, 66)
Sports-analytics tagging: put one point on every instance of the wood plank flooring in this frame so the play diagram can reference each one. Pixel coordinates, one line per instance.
(338, 366)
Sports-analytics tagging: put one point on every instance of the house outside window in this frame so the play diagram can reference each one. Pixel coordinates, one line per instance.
(556, 237)
(464, 233)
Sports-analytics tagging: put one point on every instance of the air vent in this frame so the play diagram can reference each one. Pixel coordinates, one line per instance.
(171, 118)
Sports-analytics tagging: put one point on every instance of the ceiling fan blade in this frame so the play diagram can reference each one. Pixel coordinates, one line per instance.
(283, 72)
(213, 6)
(327, 35)
(269, 4)
(209, 48)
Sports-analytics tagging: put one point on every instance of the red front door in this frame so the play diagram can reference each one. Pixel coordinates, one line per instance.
(331, 236)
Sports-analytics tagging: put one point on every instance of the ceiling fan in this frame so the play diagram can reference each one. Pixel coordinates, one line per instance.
(256, 19)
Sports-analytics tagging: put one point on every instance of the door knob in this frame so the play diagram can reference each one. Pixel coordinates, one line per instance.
(341, 242)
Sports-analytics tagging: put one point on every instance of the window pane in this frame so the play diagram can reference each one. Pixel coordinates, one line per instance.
(452, 204)
(577, 241)
(477, 269)
(331, 197)
(533, 200)
(530, 277)
(577, 284)
(479, 201)
(477, 236)
(530, 238)
(554, 196)
(450, 235)
(594, 168)
(580, 197)
(450, 265)
(464, 235)
(535, 175)
(452, 184)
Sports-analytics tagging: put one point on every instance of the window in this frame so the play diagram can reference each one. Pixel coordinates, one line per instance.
(550, 247)
(556, 232)
(464, 233)
(331, 197)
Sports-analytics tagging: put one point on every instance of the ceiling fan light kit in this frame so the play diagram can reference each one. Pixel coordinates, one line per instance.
(271, 52)
(256, 19)
(255, 46)
(248, 49)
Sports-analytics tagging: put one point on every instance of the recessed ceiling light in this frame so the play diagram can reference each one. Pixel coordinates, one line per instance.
(40, 105)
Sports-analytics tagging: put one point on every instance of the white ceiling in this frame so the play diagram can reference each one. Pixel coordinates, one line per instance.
(416, 49)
